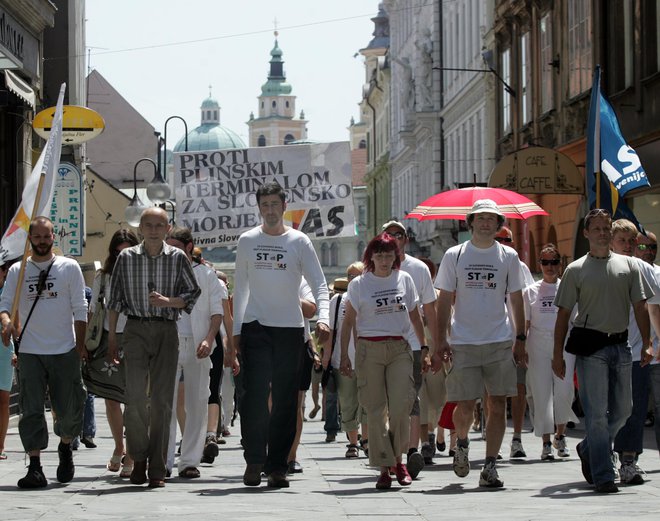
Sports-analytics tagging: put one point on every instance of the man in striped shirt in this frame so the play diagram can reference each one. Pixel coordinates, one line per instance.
(151, 283)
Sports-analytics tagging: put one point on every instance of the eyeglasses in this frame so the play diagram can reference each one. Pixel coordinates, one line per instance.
(549, 262)
(396, 235)
(504, 239)
(643, 247)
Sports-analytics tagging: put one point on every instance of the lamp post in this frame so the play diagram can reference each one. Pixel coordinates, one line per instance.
(172, 208)
(159, 191)
(134, 210)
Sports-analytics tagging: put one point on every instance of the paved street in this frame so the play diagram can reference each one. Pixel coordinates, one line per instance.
(331, 488)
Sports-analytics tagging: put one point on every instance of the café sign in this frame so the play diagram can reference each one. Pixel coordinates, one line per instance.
(537, 170)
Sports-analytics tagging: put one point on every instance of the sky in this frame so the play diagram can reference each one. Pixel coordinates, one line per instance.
(162, 56)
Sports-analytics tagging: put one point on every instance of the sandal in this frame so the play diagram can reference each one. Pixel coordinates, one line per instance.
(189, 473)
(364, 445)
(126, 471)
(115, 463)
(3, 455)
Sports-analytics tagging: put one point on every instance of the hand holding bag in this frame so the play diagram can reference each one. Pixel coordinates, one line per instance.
(95, 323)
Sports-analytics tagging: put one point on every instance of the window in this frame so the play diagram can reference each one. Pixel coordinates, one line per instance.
(288, 138)
(286, 104)
(362, 215)
(334, 254)
(525, 79)
(545, 36)
(362, 144)
(325, 254)
(505, 59)
(261, 141)
(651, 37)
(274, 104)
(215, 115)
(579, 47)
(620, 42)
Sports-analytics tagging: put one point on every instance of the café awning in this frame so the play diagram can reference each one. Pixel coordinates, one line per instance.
(20, 88)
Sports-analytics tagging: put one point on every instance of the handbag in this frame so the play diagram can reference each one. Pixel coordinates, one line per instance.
(102, 377)
(328, 380)
(584, 341)
(95, 323)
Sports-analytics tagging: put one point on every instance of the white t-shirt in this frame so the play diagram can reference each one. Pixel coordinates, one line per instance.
(655, 300)
(648, 271)
(539, 306)
(267, 279)
(424, 285)
(480, 278)
(306, 294)
(336, 350)
(50, 330)
(383, 304)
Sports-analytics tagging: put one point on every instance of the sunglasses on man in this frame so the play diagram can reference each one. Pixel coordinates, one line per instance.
(644, 247)
(504, 239)
(549, 262)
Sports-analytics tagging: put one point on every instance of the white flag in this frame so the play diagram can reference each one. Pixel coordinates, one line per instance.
(13, 241)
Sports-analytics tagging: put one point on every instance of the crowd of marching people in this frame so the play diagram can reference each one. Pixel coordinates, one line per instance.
(409, 356)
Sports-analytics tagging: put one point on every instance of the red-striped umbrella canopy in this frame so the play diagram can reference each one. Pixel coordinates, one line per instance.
(455, 204)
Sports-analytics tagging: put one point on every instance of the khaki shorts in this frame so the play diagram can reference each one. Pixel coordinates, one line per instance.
(475, 367)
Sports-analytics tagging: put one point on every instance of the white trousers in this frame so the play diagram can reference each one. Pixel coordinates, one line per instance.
(227, 394)
(553, 397)
(196, 396)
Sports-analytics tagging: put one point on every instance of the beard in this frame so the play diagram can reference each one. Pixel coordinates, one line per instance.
(41, 249)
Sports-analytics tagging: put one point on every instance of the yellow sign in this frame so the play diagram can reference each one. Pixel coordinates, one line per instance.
(79, 124)
(537, 170)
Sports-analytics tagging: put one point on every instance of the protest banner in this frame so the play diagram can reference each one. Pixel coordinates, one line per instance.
(216, 190)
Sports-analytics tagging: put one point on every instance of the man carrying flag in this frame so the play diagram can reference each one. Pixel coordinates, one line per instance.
(46, 296)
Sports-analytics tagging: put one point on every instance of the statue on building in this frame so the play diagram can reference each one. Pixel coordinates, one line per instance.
(425, 46)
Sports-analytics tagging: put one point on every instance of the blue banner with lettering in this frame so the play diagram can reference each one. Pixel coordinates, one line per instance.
(610, 159)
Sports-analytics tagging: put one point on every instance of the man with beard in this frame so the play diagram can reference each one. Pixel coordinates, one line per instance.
(52, 344)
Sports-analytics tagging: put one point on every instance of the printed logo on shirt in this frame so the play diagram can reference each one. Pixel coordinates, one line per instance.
(547, 304)
(480, 276)
(270, 258)
(47, 288)
(387, 302)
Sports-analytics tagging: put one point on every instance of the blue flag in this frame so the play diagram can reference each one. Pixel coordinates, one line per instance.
(610, 160)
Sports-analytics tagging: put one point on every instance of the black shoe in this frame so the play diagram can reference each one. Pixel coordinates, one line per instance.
(252, 475)
(33, 479)
(88, 442)
(211, 450)
(65, 469)
(441, 446)
(607, 488)
(278, 480)
(586, 468)
(415, 464)
(295, 467)
(330, 437)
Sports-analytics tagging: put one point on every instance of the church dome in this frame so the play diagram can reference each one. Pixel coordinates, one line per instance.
(210, 135)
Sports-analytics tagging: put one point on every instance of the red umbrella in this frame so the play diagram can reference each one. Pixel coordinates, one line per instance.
(455, 204)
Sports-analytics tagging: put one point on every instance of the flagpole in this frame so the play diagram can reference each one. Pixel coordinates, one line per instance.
(21, 273)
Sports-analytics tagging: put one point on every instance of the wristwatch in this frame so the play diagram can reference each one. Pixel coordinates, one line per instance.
(522, 337)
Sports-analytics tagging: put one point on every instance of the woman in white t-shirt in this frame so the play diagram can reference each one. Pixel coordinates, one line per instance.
(552, 396)
(381, 305)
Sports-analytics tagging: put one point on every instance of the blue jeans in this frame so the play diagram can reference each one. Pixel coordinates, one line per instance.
(606, 395)
(332, 425)
(631, 436)
(89, 417)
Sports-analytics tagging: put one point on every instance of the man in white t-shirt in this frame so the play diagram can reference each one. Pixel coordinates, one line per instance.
(518, 402)
(629, 442)
(421, 357)
(271, 260)
(476, 277)
(52, 344)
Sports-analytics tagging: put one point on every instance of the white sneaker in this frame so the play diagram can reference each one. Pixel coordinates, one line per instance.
(517, 450)
(489, 477)
(562, 448)
(461, 464)
(630, 473)
(547, 453)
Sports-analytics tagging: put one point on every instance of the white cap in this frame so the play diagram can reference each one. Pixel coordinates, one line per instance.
(395, 224)
(484, 206)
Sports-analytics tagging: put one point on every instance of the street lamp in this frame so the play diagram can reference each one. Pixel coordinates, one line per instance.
(172, 207)
(134, 210)
(159, 191)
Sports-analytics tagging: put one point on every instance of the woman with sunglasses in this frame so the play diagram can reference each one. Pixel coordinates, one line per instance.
(553, 396)
(381, 305)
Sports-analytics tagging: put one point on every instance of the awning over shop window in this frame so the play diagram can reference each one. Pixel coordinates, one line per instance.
(20, 88)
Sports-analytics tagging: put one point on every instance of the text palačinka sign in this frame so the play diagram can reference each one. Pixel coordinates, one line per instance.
(216, 190)
(537, 170)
